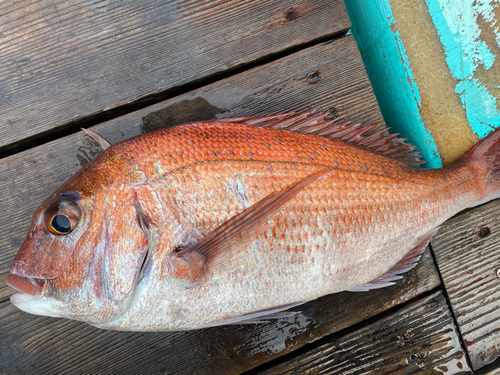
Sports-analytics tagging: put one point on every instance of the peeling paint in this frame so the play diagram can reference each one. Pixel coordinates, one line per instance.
(460, 34)
(480, 105)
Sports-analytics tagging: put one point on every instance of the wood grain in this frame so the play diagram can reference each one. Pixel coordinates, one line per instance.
(32, 344)
(30, 177)
(40, 345)
(467, 250)
(64, 60)
(420, 338)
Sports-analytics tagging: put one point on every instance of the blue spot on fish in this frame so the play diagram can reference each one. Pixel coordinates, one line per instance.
(73, 195)
(250, 155)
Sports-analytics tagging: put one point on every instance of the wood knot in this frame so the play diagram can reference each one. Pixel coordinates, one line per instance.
(291, 14)
(484, 232)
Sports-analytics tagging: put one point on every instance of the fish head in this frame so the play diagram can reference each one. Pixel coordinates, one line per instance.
(83, 251)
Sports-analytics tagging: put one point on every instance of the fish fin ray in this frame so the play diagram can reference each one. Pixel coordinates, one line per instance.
(236, 232)
(371, 137)
(263, 316)
(408, 262)
(96, 137)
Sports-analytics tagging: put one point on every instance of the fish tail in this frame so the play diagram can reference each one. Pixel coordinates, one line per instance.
(485, 158)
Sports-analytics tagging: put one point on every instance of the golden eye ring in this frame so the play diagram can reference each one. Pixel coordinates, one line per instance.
(60, 224)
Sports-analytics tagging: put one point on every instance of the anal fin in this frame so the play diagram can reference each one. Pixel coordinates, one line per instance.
(408, 262)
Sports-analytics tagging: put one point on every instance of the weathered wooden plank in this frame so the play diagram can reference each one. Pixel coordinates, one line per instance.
(38, 345)
(31, 344)
(282, 86)
(467, 250)
(64, 60)
(419, 338)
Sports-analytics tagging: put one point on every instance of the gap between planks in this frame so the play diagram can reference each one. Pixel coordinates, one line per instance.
(467, 253)
(419, 336)
(156, 51)
(152, 99)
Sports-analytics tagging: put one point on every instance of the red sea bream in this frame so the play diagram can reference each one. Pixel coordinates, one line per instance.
(236, 220)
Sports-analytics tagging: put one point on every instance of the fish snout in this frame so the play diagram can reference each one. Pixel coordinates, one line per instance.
(26, 285)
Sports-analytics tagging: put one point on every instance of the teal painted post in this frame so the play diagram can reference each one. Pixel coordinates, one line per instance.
(390, 74)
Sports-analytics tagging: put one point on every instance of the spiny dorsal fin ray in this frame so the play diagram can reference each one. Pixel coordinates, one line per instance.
(378, 140)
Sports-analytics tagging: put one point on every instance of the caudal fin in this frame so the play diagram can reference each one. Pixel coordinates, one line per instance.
(485, 156)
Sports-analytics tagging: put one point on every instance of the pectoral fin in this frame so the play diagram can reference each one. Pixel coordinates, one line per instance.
(192, 261)
(409, 261)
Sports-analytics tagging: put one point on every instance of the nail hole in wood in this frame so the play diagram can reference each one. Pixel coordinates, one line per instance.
(483, 232)
(291, 14)
(332, 114)
(313, 77)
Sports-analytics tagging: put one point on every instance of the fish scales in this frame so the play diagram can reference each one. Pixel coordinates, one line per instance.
(358, 214)
(315, 266)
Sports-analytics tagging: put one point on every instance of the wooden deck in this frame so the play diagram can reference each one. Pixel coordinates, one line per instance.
(125, 68)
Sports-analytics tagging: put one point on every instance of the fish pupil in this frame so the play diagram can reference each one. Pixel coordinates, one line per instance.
(61, 223)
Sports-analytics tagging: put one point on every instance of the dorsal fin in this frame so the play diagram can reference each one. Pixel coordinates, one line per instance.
(370, 136)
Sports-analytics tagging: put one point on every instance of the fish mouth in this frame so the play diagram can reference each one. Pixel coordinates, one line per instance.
(29, 298)
(23, 284)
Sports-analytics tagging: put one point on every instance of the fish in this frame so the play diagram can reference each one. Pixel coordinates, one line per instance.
(237, 220)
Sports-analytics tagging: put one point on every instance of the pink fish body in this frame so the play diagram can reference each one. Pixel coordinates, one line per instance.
(221, 222)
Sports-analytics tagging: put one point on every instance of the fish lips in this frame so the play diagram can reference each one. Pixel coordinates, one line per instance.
(29, 298)
(26, 285)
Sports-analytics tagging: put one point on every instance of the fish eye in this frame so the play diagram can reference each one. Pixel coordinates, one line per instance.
(62, 216)
(61, 224)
